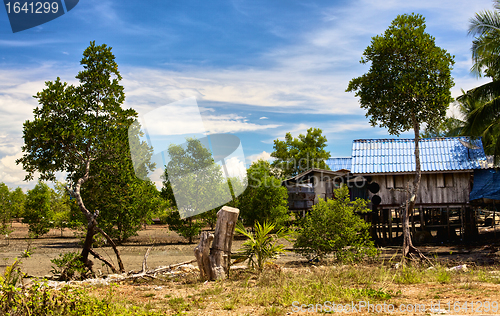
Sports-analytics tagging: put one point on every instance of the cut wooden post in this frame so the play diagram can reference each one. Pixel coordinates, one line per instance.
(220, 253)
(214, 262)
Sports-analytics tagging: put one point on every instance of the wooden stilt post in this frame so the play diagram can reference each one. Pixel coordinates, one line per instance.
(422, 220)
(389, 218)
(398, 221)
(462, 230)
(448, 221)
(412, 214)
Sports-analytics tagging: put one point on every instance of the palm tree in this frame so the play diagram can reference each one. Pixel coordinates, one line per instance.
(485, 26)
(482, 104)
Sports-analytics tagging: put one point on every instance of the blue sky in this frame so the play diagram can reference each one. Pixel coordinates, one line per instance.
(258, 69)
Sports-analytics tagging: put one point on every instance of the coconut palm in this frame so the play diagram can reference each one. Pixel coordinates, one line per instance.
(485, 27)
(482, 104)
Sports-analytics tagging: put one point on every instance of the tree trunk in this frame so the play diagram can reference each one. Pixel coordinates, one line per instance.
(411, 198)
(87, 245)
(91, 222)
(215, 266)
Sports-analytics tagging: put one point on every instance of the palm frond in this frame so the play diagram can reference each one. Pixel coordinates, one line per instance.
(483, 118)
(482, 94)
(483, 22)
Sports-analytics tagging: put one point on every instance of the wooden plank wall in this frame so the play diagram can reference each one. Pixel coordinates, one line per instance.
(434, 188)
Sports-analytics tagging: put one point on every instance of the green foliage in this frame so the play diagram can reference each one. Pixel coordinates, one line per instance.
(296, 155)
(450, 126)
(41, 300)
(5, 209)
(265, 199)
(76, 125)
(409, 80)
(262, 245)
(17, 200)
(38, 209)
(483, 115)
(63, 214)
(9, 290)
(82, 130)
(333, 226)
(485, 27)
(126, 202)
(192, 171)
(67, 265)
(188, 227)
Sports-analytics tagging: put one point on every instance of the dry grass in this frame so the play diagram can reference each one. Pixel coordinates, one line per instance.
(275, 290)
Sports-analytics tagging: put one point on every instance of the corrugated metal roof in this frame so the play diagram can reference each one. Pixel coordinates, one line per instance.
(436, 154)
(336, 164)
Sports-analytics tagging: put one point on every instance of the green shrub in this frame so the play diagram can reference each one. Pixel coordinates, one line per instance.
(332, 226)
(188, 228)
(67, 265)
(40, 300)
(261, 245)
(38, 209)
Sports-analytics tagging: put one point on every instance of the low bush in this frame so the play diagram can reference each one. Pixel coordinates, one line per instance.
(333, 227)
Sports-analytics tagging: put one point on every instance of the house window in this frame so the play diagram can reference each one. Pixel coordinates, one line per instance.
(390, 181)
(440, 180)
(399, 182)
(448, 180)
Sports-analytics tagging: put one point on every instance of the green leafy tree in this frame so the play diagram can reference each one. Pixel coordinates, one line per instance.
(265, 199)
(5, 209)
(261, 245)
(192, 171)
(333, 227)
(126, 201)
(63, 214)
(76, 130)
(188, 227)
(296, 155)
(17, 200)
(408, 84)
(38, 209)
(450, 126)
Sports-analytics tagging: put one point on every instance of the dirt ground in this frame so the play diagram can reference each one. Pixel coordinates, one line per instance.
(169, 248)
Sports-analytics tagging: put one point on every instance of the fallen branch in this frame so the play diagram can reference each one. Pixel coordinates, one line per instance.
(152, 273)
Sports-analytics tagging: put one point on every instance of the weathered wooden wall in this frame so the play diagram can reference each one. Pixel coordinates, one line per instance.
(435, 188)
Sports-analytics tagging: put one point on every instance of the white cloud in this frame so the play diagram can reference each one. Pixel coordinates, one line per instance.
(235, 167)
(12, 174)
(232, 124)
(261, 156)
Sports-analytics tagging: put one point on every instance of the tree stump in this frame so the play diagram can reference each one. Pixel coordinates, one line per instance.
(215, 266)
(201, 253)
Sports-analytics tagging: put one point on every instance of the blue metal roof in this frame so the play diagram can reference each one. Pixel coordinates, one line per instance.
(337, 164)
(436, 154)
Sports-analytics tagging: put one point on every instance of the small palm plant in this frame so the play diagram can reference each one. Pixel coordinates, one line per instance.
(261, 246)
